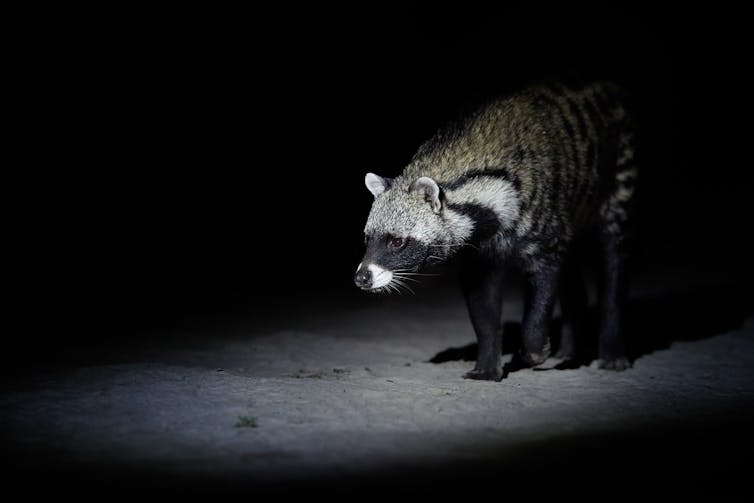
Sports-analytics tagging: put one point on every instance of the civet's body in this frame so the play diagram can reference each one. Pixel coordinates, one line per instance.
(518, 179)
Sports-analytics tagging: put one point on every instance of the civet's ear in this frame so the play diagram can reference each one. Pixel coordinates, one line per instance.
(376, 184)
(430, 190)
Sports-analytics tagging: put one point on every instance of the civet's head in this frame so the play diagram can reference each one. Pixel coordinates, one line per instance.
(406, 231)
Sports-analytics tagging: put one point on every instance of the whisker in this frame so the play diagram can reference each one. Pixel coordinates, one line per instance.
(400, 276)
(404, 285)
(404, 273)
(397, 289)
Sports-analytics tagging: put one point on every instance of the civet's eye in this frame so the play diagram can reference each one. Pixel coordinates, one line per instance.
(396, 243)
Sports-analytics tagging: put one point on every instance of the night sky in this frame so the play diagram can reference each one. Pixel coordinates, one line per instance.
(185, 159)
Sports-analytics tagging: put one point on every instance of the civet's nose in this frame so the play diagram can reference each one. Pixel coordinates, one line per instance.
(363, 277)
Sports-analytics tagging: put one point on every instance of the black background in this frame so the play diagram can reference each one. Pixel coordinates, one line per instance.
(176, 159)
(177, 164)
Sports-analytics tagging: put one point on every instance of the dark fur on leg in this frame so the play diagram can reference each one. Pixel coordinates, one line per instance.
(612, 347)
(482, 282)
(574, 303)
(540, 300)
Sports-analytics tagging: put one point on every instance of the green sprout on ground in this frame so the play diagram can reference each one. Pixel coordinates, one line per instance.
(246, 422)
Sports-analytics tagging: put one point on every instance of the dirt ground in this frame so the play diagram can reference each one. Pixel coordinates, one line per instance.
(323, 397)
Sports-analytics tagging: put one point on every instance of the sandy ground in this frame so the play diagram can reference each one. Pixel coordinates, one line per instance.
(337, 397)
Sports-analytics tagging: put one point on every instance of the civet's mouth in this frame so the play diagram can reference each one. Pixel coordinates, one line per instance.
(372, 277)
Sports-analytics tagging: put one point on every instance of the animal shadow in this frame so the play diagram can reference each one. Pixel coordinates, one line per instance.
(651, 324)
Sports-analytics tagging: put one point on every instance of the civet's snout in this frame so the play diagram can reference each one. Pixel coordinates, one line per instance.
(363, 278)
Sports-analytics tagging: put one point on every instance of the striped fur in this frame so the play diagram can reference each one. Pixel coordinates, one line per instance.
(548, 161)
(520, 177)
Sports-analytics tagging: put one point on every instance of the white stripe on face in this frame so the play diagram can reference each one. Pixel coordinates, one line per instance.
(380, 276)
